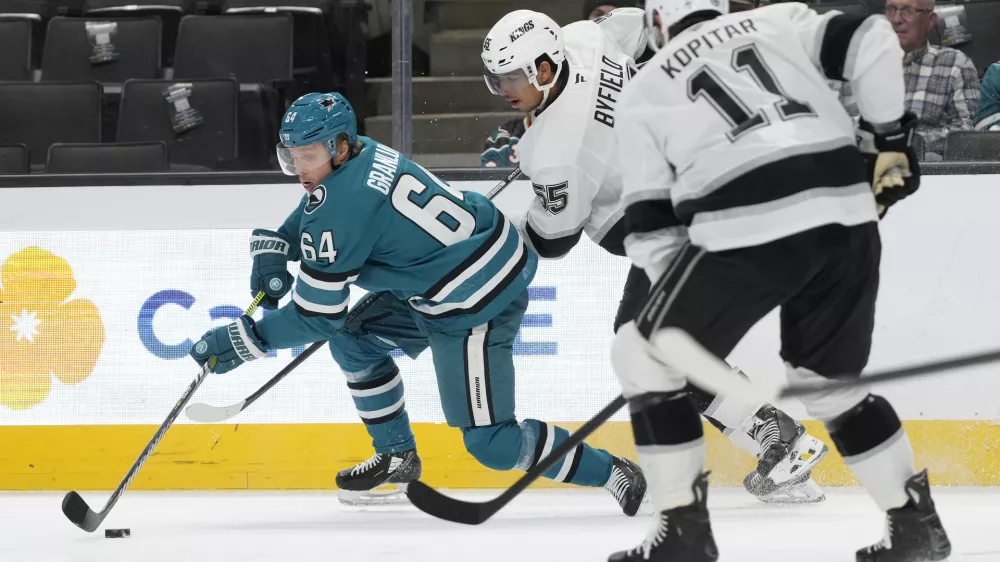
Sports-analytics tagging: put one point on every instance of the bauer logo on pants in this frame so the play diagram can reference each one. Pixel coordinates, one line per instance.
(43, 332)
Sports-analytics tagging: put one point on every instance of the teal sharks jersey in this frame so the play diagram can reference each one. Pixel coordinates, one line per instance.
(384, 223)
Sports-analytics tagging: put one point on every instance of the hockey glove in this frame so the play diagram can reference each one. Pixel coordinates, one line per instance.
(233, 345)
(500, 149)
(270, 271)
(893, 164)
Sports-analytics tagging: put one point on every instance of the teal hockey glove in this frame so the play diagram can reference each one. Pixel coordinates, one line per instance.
(233, 345)
(270, 267)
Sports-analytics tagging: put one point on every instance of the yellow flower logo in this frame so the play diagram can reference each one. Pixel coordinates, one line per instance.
(41, 334)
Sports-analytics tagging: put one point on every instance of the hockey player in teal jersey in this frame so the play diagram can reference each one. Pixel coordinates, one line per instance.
(447, 271)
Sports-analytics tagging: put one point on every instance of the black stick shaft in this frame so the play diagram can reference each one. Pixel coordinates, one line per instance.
(575, 438)
(91, 521)
(282, 373)
(504, 183)
(793, 391)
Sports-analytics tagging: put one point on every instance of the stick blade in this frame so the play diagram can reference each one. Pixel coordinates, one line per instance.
(204, 413)
(432, 502)
(79, 513)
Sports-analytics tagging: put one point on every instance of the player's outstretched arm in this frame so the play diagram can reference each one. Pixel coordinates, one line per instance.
(318, 307)
(863, 51)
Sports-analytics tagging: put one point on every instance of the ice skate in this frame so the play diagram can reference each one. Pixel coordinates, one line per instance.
(679, 534)
(787, 457)
(376, 481)
(913, 533)
(628, 486)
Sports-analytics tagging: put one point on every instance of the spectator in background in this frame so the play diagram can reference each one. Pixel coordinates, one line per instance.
(593, 9)
(988, 116)
(942, 84)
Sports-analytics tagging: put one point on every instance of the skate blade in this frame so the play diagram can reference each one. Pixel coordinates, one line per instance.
(805, 493)
(805, 453)
(390, 494)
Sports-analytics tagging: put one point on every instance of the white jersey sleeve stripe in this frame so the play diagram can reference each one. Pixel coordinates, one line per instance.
(325, 285)
(854, 47)
(307, 308)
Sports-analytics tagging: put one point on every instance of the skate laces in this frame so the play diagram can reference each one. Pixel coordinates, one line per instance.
(618, 484)
(767, 433)
(886, 542)
(657, 534)
(367, 465)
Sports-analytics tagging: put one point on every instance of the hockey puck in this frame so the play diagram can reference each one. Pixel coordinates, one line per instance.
(117, 533)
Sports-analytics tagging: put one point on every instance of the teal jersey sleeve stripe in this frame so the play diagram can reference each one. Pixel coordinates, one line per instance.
(318, 309)
(318, 293)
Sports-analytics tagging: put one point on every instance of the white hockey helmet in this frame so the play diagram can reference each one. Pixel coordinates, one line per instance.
(661, 14)
(515, 43)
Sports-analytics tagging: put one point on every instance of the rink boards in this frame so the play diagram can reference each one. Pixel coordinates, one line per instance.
(100, 309)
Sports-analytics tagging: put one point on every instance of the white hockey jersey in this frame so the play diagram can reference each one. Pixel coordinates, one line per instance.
(730, 136)
(568, 150)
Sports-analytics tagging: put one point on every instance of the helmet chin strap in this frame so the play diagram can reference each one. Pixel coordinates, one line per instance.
(545, 90)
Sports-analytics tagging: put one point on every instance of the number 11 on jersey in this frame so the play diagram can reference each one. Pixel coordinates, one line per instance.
(705, 83)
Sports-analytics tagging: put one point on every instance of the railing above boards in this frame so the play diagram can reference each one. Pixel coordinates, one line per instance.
(447, 174)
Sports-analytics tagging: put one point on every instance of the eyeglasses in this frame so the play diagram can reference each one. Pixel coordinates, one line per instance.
(906, 12)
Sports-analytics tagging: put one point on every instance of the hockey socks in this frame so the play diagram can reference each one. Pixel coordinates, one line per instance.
(380, 404)
(671, 446)
(511, 445)
(872, 441)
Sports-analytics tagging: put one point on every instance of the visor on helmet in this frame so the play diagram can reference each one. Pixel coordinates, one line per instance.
(299, 159)
(508, 82)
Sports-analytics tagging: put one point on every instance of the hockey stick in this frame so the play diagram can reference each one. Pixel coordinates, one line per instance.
(432, 502)
(713, 374)
(77, 510)
(205, 413)
(504, 183)
(797, 390)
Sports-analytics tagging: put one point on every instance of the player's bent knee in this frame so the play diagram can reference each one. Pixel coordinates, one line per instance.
(356, 357)
(829, 405)
(636, 368)
(867, 426)
(495, 446)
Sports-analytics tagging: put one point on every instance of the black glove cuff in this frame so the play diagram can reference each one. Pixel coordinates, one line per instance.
(898, 140)
(256, 334)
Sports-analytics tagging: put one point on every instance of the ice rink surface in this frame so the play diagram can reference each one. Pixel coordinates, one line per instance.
(544, 526)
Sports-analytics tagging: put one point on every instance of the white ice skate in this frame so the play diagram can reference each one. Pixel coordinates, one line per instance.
(786, 459)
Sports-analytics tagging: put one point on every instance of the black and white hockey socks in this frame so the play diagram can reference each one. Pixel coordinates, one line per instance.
(732, 415)
(511, 445)
(872, 441)
(671, 445)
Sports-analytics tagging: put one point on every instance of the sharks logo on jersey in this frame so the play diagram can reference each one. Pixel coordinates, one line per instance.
(316, 199)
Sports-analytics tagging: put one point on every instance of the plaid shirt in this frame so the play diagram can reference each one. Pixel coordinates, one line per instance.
(942, 89)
